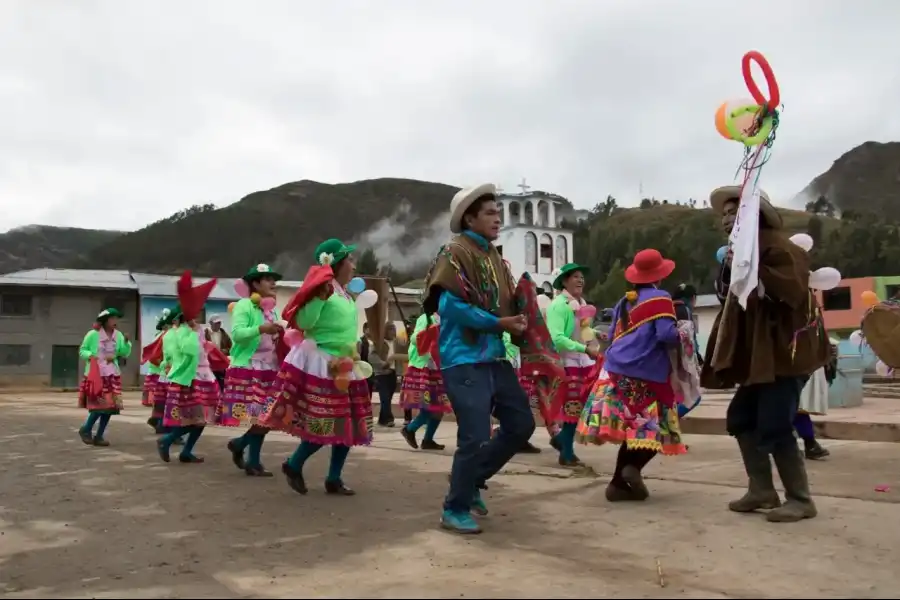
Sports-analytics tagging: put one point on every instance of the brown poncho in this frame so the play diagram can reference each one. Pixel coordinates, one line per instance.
(477, 276)
(779, 335)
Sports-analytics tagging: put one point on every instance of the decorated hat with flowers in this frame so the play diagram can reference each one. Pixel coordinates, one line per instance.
(332, 251)
(107, 313)
(566, 270)
(259, 271)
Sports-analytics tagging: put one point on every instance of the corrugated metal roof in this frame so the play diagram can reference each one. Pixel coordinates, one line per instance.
(150, 284)
(80, 278)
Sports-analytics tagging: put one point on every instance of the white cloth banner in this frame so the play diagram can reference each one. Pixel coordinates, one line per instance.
(744, 240)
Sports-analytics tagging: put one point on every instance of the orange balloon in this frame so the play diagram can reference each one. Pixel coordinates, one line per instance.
(231, 307)
(869, 298)
(721, 127)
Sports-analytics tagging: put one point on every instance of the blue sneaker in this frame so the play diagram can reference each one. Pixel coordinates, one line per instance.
(478, 505)
(459, 522)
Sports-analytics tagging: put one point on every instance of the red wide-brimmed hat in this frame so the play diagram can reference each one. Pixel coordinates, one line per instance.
(648, 267)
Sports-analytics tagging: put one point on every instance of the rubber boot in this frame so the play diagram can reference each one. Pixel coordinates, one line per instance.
(798, 504)
(761, 494)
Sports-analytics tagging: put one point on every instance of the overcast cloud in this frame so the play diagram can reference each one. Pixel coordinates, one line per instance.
(118, 112)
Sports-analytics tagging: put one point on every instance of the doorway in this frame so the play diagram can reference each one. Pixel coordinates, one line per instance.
(64, 367)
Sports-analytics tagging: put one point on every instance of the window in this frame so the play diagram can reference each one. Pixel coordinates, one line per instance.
(15, 305)
(562, 251)
(546, 247)
(891, 291)
(116, 301)
(14, 355)
(530, 252)
(836, 299)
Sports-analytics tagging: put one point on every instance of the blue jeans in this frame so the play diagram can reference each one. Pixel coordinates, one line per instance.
(473, 391)
(767, 411)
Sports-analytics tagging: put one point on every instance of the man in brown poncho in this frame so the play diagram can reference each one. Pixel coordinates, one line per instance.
(472, 290)
(769, 351)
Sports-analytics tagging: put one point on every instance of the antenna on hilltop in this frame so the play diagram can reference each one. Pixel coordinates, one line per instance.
(524, 186)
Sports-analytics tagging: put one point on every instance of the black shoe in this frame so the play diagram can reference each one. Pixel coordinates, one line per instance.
(86, 437)
(816, 452)
(237, 455)
(294, 478)
(99, 441)
(338, 488)
(410, 437)
(431, 445)
(190, 459)
(163, 451)
(258, 471)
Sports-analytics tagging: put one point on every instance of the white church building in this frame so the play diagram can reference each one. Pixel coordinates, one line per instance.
(531, 238)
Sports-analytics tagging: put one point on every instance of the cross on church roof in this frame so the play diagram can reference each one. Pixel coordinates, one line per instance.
(524, 187)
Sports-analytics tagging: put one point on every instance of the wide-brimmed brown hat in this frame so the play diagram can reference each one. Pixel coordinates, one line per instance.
(719, 196)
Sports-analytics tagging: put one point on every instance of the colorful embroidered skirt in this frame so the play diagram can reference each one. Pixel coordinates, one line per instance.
(150, 383)
(159, 400)
(249, 392)
(309, 405)
(533, 389)
(109, 400)
(576, 395)
(423, 389)
(193, 404)
(632, 411)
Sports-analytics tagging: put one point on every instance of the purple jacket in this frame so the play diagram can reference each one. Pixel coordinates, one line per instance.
(643, 353)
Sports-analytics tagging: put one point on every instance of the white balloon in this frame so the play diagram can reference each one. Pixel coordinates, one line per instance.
(826, 278)
(543, 301)
(367, 299)
(803, 240)
(362, 369)
(856, 338)
(882, 369)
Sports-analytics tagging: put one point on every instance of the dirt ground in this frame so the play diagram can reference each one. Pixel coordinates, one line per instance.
(85, 522)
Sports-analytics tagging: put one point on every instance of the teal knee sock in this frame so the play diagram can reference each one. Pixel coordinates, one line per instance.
(169, 438)
(254, 445)
(338, 458)
(243, 441)
(431, 428)
(104, 421)
(90, 421)
(303, 451)
(566, 437)
(416, 424)
(194, 432)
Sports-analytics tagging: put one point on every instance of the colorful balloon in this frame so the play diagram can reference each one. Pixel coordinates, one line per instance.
(367, 299)
(856, 338)
(241, 288)
(231, 306)
(357, 285)
(869, 298)
(721, 253)
(267, 303)
(826, 278)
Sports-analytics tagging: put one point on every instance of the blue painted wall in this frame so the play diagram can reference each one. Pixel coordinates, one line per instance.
(152, 307)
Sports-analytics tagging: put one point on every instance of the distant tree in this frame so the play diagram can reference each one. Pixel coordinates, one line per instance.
(605, 209)
(646, 203)
(816, 228)
(367, 264)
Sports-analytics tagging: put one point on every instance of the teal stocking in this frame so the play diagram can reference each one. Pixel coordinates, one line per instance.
(90, 421)
(303, 451)
(104, 421)
(566, 439)
(193, 434)
(336, 466)
(174, 433)
(254, 444)
(416, 424)
(431, 428)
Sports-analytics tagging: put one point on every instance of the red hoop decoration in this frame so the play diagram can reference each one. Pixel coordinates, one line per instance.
(773, 102)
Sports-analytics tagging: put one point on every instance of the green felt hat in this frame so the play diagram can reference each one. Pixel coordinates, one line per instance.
(107, 313)
(332, 251)
(169, 315)
(259, 271)
(567, 270)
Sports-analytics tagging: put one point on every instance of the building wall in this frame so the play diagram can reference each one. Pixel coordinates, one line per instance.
(848, 319)
(152, 307)
(882, 284)
(514, 248)
(61, 317)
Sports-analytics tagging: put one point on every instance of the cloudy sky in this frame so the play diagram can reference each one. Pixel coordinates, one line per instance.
(119, 112)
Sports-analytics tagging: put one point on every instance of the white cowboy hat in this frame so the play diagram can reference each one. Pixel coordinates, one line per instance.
(464, 199)
(719, 196)
(215, 319)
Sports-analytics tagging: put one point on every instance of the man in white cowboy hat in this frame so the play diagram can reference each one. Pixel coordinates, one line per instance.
(472, 290)
(784, 351)
(219, 337)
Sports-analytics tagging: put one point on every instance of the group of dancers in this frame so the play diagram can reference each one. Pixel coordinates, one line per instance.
(481, 349)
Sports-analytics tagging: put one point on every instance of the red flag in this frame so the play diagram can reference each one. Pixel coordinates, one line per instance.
(152, 353)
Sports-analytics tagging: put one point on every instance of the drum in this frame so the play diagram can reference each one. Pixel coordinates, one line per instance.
(881, 328)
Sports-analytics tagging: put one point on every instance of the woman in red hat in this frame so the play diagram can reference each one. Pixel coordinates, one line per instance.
(633, 402)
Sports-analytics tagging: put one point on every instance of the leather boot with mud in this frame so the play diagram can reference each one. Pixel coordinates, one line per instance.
(798, 504)
(761, 493)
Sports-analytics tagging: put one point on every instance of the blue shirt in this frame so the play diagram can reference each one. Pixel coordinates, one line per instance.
(457, 315)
